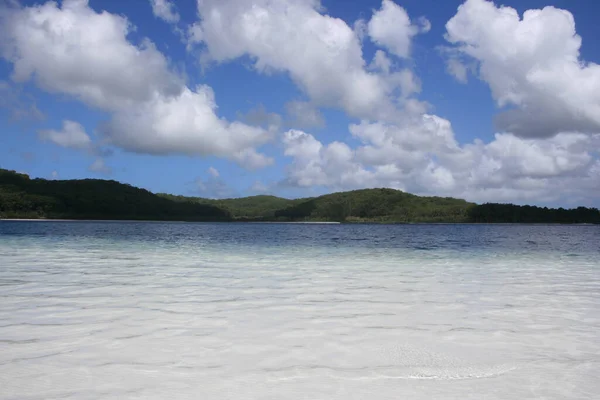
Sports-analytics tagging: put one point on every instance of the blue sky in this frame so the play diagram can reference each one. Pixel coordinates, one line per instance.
(221, 98)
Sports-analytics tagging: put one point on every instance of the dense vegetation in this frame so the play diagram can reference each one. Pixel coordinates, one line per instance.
(22, 197)
(510, 213)
(251, 207)
(380, 205)
(367, 205)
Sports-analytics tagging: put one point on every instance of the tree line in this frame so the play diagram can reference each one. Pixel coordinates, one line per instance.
(510, 213)
(22, 197)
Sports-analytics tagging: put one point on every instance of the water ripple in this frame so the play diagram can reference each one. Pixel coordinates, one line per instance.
(188, 311)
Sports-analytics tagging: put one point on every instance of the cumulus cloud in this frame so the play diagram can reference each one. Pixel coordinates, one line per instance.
(322, 54)
(75, 50)
(165, 10)
(72, 135)
(423, 24)
(390, 27)
(549, 129)
(402, 146)
(184, 124)
(532, 65)
(425, 158)
(318, 165)
(251, 159)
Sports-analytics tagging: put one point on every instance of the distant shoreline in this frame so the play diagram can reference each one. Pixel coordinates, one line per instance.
(38, 219)
(289, 222)
(26, 199)
(162, 221)
(82, 220)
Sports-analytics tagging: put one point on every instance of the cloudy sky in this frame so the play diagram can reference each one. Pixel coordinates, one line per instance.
(473, 99)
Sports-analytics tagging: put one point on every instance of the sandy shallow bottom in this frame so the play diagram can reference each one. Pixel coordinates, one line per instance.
(84, 318)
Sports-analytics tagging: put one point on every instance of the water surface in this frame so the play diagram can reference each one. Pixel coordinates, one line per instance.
(114, 310)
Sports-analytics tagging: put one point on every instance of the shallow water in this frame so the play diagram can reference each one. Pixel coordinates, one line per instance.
(112, 310)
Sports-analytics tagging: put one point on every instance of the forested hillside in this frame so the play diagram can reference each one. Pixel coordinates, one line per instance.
(380, 205)
(510, 213)
(366, 205)
(252, 207)
(22, 197)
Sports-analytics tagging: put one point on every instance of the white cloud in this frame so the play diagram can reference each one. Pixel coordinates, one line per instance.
(322, 54)
(457, 69)
(77, 51)
(381, 62)
(251, 159)
(304, 115)
(72, 136)
(213, 172)
(318, 165)
(99, 166)
(54, 175)
(531, 63)
(390, 27)
(424, 25)
(185, 124)
(425, 158)
(404, 79)
(165, 10)
(419, 152)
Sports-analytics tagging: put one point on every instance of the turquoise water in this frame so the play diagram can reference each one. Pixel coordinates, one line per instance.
(118, 310)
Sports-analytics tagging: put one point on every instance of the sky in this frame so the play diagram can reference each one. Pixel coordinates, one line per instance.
(481, 100)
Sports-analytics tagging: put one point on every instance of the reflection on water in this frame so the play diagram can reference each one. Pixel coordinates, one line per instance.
(265, 311)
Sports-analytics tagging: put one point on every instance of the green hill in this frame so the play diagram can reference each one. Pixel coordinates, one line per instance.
(22, 197)
(379, 205)
(366, 205)
(390, 206)
(252, 207)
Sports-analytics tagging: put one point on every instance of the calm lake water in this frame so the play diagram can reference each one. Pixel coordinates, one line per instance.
(119, 310)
